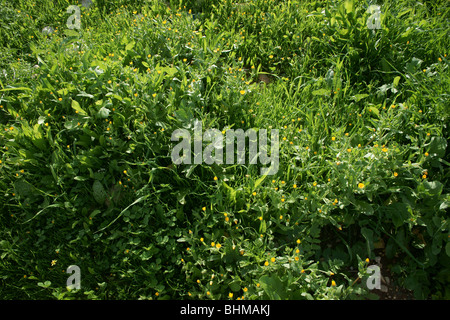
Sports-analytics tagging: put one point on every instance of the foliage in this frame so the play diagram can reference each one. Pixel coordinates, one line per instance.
(87, 179)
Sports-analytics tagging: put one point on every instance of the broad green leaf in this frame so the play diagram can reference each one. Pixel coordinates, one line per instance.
(76, 107)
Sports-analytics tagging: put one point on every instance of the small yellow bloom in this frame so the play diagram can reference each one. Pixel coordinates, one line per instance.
(272, 259)
(242, 92)
(204, 208)
(266, 263)
(294, 186)
(53, 262)
(298, 241)
(360, 185)
(215, 178)
(333, 283)
(230, 295)
(245, 289)
(201, 239)
(213, 244)
(367, 260)
(333, 138)
(426, 154)
(218, 246)
(395, 174)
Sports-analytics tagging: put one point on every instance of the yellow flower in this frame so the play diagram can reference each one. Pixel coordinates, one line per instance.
(294, 186)
(395, 174)
(360, 185)
(242, 91)
(245, 289)
(266, 263)
(333, 138)
(271, 56)
(333, 283)
(367, 260)
(298, 241)
(125, 171)
(254, 193)
(201, 239)
(296, 258)
(213, 244)
(204, 208)
(426, 154)
(230, 295)
(54, 262)
(272, 259)
(215, 178)
(218, 246)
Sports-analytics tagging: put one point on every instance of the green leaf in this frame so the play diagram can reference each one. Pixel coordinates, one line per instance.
(99, 192)
(438, 146)
(273, 287)
(368, 235)
(130, 46)
(103, 112)
(76, 107)
(321, 92)
(262, 226)
(358, 97)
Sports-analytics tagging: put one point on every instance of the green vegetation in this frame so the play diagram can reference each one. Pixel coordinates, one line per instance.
(86, 176)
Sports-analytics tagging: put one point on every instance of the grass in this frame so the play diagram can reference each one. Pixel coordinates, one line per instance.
(86, 118)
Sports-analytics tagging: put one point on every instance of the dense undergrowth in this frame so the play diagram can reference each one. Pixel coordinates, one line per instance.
(86, 176)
